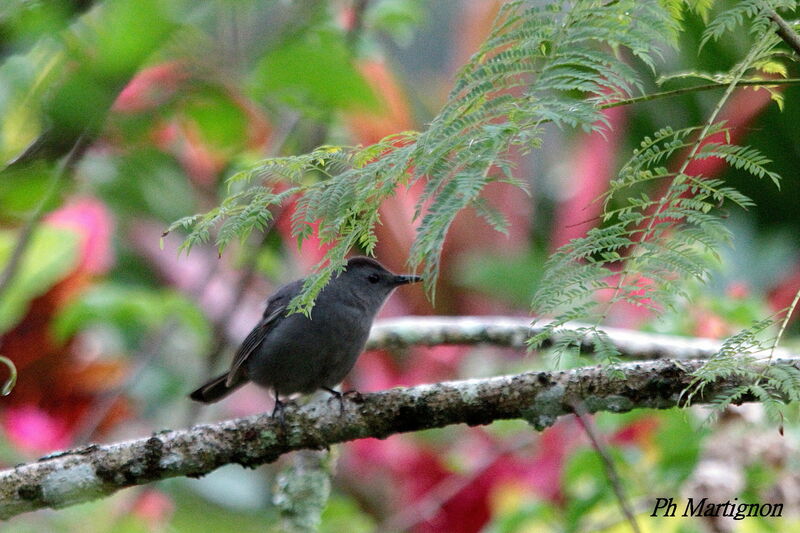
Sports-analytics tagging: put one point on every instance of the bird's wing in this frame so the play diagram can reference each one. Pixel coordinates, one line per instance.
(276, 308)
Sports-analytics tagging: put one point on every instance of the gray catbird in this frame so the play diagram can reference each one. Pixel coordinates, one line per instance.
(294, 353)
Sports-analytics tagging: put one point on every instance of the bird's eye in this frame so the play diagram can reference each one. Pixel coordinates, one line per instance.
(374, 278)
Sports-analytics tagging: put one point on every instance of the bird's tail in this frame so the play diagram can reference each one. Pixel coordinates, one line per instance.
(216, 389)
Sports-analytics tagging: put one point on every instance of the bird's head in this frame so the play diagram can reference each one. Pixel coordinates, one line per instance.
(370, 281)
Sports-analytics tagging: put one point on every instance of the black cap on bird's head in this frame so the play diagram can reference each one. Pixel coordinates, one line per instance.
(368, 277)
(376, 273)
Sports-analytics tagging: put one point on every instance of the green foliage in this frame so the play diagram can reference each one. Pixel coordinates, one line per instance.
(662, 242)
(23, 189)
(145, 179)
(219, 120)
(24, 80)
(745, 358)
(64, 85)
(649, 465)
(343, 514)
(754, 11)
(133, 311)
(540, 64)
(399, 18)
(509, 278)
(51, 255)
(314, 68)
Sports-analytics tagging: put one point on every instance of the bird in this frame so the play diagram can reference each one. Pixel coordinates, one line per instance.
(295, 353)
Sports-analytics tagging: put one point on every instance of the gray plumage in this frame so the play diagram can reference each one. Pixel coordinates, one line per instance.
(295, 353)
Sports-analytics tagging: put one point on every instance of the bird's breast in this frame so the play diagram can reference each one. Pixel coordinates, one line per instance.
(303, 354)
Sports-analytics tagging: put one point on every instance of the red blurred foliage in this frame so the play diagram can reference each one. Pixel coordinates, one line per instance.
(414, 473)
(781, 296)
(469, 234)
(152, 87)
(161, 89)
(591, 169)
(199, 160)
(637, 433)
(55, 387)
(394, 115)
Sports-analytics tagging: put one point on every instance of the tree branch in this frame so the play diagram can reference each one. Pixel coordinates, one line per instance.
(540, 398)
(513, 332)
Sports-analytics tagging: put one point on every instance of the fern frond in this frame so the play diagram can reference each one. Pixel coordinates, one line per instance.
(665, 241)
(740, 157)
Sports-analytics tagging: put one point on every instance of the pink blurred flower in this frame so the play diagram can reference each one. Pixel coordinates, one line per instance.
(151, 87)
(33, 430)
(738, 290)
(710, 325)
(90, 219)
(154, 508)
(311, 250)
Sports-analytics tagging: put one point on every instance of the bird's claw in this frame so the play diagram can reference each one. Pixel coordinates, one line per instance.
(339, 396)
(278, 410)
(355, 396)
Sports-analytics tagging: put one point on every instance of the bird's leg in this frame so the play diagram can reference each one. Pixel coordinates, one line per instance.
(278, 410)
(338, 396)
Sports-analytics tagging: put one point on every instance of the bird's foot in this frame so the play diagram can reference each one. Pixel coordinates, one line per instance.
(354, 396)
(339, 396)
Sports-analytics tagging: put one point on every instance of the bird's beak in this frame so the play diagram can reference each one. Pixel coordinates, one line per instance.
(406, 278)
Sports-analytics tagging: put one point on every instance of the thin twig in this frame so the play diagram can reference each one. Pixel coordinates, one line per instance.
(699, 88)
(12, 376)
(608, 465)
(785, 31)
(63, 168)
(781, 330)
(432, 501)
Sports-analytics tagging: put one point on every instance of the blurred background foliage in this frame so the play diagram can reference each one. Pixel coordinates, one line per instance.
(118, 117)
